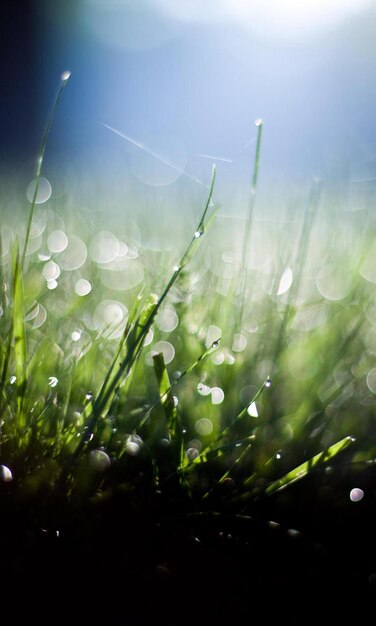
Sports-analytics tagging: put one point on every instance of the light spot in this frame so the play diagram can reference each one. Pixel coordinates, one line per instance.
(166, 348)
(204, 427)
(5, 474)
(51, 284)
(74, 255)
(53, 381)
(356, 494)
(57, 241)
(51, 271)
(65, 76)
(333, 282)
(286, 281)
(104, 247)
(110, 317)
(82, 287)
(167, 320)
(99, 460)
(44, 190)
(218, 358)
(203, 390)
(217, 395)
(259, 122)
(76, 335)
(239, 343)
(149, 337)
(371, 380)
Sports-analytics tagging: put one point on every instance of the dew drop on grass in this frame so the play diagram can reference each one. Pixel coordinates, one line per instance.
(268, 382)
(65, 76)
(44, 190)
(356, 494)
(99, 460)
(76, 335)
(5, 474)
(175, 400)
(198, 234)
(252, 410)
(133, 445)
(89, 396)
(192, 454)
(259, 122)
(278, 456)
(52, 381)
(13, 379)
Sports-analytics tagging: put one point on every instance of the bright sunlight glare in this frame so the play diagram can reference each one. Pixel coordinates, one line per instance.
(284, 18)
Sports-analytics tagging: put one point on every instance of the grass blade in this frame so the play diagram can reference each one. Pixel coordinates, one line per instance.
(305, 468)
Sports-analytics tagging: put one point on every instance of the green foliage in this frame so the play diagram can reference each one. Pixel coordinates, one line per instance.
(83, 416)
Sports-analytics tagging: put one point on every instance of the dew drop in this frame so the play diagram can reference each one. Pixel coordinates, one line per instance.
(192, 454)
(356, 494)
(259, 122)
(12, 380)
(76, 335)
(89, 396)
(268, 382)
(198, 234)
(252, 410)
(65, 76)
(99, 460)
(52, 381)
(278, 456)
(5, 474)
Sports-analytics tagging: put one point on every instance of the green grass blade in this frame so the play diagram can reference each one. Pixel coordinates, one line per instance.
(305, 468)
(19, 332)
(40, 159)
(166, 397)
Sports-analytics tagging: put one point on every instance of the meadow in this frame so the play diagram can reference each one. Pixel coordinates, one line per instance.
(219, 393)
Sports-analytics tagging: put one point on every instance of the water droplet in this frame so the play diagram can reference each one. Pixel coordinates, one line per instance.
(252, 410)
(292, 532)
(52, 381)
(356, 494)
(176, 375)
(133, 445)
(175, 400)
(215, 344)
(99, 460)
(176, 268)
(89, 396)
(192, 454)
(5, 474)
(259, 122)
(272, 524)
(278, 456)
(268, 382)
(165, 442)
(13, 379)
(76, 335)
(198, 234)
(65, 76)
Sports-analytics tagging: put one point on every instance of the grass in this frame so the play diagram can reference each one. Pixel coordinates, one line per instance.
(263, 371)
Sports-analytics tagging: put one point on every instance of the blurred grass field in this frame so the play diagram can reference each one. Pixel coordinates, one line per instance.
(265, 331)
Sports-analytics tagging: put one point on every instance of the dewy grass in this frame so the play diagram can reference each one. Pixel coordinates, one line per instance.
(83, 416)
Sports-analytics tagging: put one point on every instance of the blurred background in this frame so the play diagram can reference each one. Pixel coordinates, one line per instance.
(182, 82)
